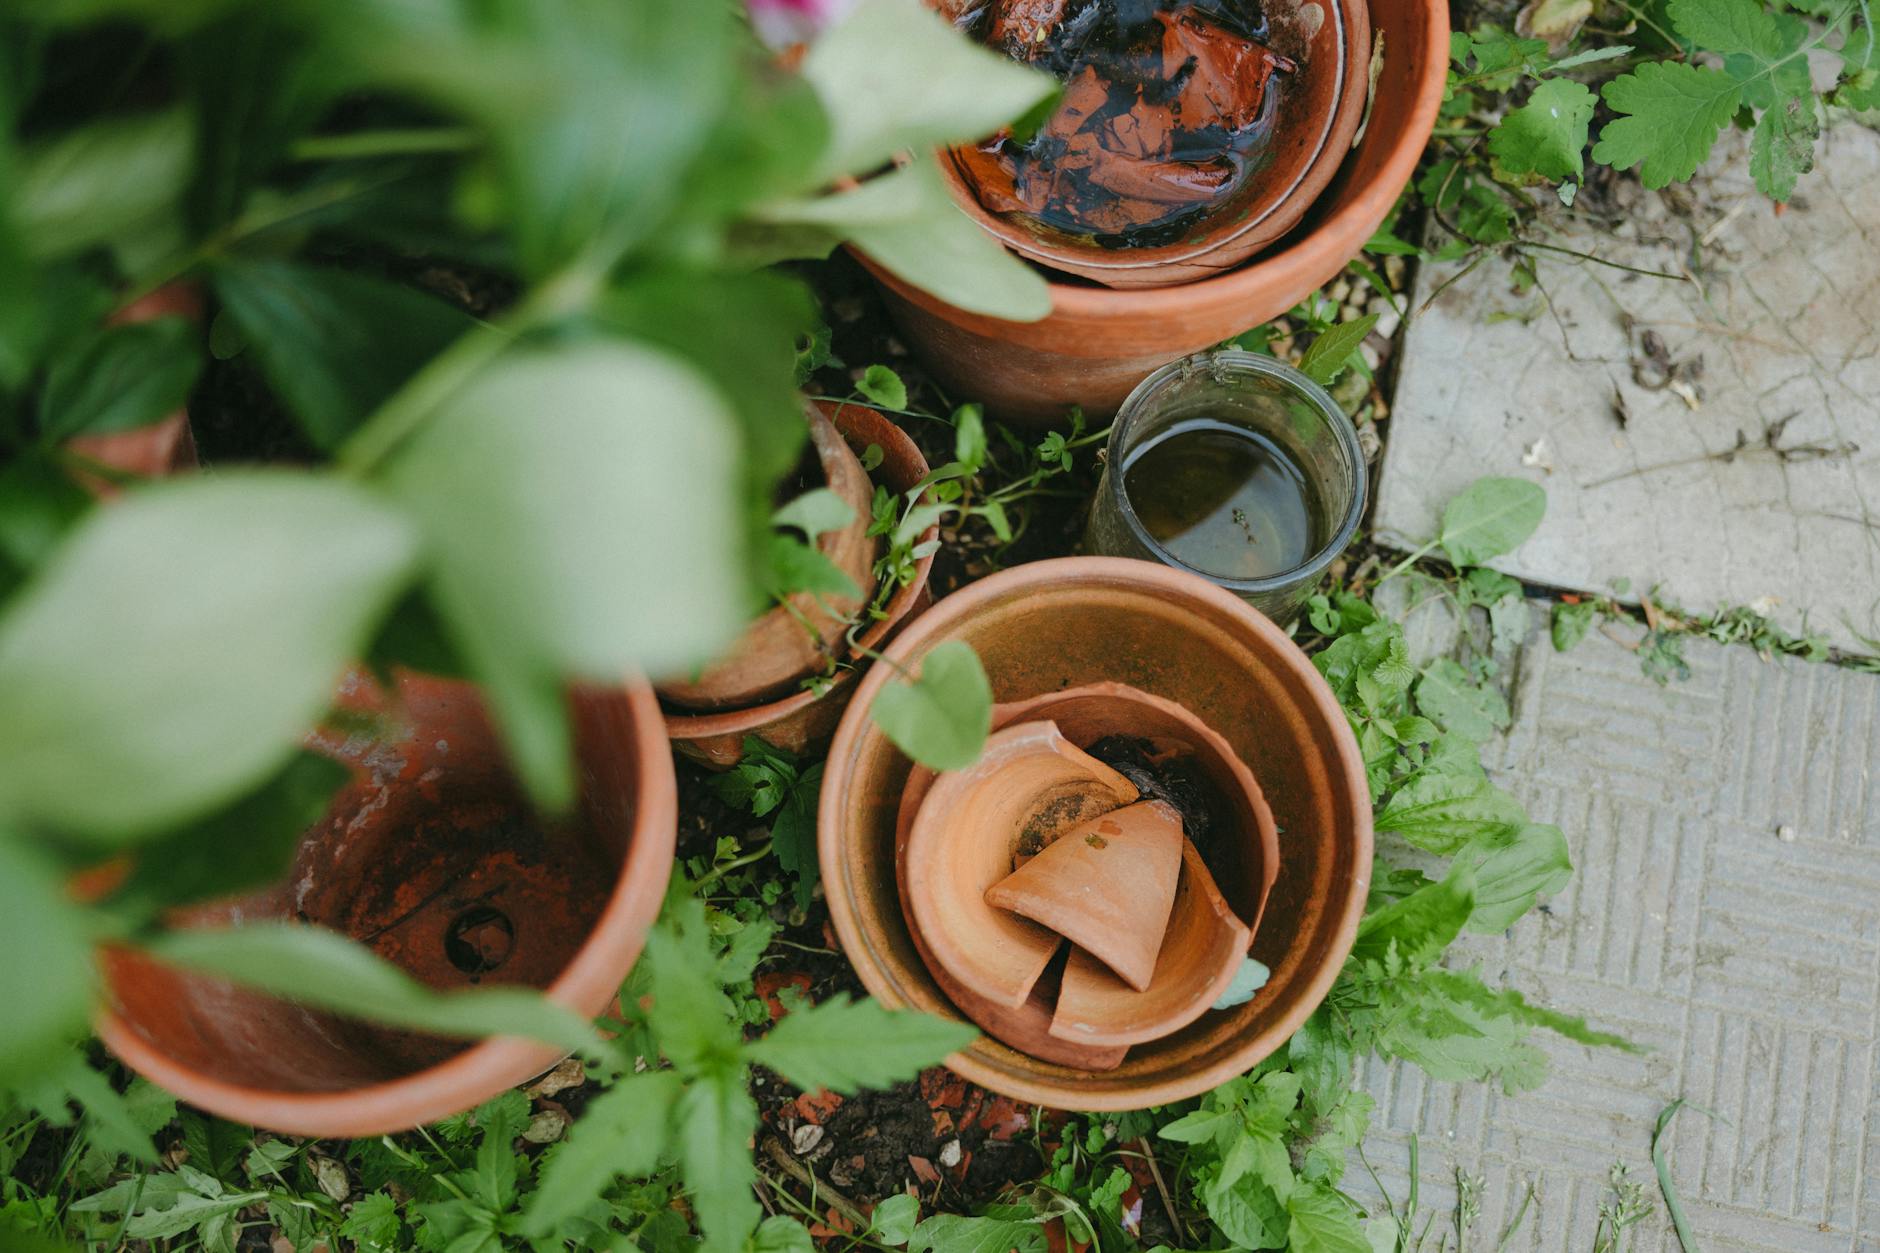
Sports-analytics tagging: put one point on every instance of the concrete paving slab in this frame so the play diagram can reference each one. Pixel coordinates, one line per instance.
(1748, 962)
(1718, 438)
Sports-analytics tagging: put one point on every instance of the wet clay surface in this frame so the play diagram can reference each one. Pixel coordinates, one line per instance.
(1166, 111)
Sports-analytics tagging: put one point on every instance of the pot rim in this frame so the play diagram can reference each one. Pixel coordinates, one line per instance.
(1350, 226)
(1344, 431)
(704, 724)
(1177, 585)
(1351, 22)
(590, 982)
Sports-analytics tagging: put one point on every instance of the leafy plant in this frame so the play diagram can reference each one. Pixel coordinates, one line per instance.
(491, 486)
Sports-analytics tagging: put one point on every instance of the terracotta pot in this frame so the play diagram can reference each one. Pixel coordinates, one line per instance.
(1057, 624)
(431, 857)
(1106, 885)
(1197, 958)
(1317, 107)
(1097, 344)
(1029, 786)
(803, 720)
(778, 651)
(163, 447)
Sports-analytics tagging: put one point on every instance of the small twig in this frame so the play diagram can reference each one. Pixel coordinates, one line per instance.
(1168, 1202)
(1587, 256)
(803, 1175)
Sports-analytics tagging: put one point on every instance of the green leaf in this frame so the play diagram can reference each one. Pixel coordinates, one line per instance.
(895, 76)
(894, 1218)
(848, 1045)
(39, 502)
(580, 456)
(1443, 812)
(958, 1233)
(1323, 1222)
(942, 718)
(1725, 26)
(47, 983)
(969, 438)
(1672, 113)
(1490, 517)
(782, 1234)
(333, 343)
(1571, 622)
(815, 513)
(1783, 146)
(1547, 135)
(180, 643)
(1250, 978)
(1421, 925)
(1514, 870)
(796, 567)
(715, 1121)
(323, 969)
(692, 1018)
(883, 387)
(120, 378)
(101, 183)
(1331, 352)
(906, 220)
(1458, 704)
(621, 1132)
(246, 845)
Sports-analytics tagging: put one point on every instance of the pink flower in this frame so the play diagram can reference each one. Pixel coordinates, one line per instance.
(781, 23)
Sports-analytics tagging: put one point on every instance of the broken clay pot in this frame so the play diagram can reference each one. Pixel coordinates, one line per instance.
(1202, 950)
(804, 720)
(430, 856)
(1106, 885)
(790, 643)
(1028, 787)
(1055, 625)
(1098, 343)
(1302, 119)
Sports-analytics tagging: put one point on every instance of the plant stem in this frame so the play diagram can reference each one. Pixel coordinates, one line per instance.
(801, 1173)
(718, 872)
(395, 142)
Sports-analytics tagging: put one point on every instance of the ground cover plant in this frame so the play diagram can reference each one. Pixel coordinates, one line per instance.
(410, 230)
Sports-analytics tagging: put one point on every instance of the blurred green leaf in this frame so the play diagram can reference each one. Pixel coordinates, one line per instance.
(622, 1131)
(333, 343)
(896, 76)
(100, 182)
(715, 1121)
(906, 221)
(120, 377)
(581, 507)
(46, 980)
(325, 970)
(179, 644)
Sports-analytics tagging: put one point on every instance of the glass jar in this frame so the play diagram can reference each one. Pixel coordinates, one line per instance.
(1276, 406)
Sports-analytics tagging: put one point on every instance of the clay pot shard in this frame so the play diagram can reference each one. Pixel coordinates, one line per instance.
(1028, 787)
(1204, 946)
(1107, 886)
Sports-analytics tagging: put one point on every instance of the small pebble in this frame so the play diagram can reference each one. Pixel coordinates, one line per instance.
(805, 1138)
(1394, 272)
(950, 1154)
(547, 1126)
(1786, 833)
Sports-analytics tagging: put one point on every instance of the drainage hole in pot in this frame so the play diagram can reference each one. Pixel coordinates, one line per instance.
(479, 940)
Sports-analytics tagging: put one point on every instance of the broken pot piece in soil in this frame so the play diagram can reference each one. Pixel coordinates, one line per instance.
(803, 719)
(1189, 136)
(431, 857)
(1042, 632)
(1098, 343)
(792, 642)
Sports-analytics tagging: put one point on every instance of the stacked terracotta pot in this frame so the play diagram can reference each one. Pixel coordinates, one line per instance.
(1069, 906)
(1123, 691)
(788, 676)
(1348, 121)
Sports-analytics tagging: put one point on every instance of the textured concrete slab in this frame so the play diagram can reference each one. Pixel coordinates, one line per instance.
(1718, 437)
(1749, 963)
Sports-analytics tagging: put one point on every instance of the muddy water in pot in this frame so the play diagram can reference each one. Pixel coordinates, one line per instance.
(1167, 111)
